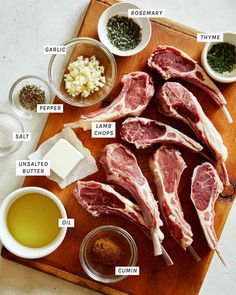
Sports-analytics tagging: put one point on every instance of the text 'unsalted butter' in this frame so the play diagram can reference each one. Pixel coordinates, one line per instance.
(32, 167)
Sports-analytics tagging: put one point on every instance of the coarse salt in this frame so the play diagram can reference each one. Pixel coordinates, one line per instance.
(6, 139)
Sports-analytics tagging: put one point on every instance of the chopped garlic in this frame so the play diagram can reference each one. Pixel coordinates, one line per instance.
(85, 76)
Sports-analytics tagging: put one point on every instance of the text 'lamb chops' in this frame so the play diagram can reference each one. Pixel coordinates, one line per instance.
(167, 166)
(144, 132)
(171, 62)
(205, 189)
(121, 167)
(134, 97)
(174, 100)
(99, 198)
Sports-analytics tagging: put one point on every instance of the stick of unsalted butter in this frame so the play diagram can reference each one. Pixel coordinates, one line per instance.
(63, 158)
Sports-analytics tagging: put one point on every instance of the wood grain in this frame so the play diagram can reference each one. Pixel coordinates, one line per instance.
(164, 21)
(186, 276)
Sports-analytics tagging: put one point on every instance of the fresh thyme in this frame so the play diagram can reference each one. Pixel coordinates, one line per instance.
(222, 57)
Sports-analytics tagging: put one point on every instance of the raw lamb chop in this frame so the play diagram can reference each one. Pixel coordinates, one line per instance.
(167, 166)
(171, 62)
(206, 187)
(176, 101)
(144, 132)
(99, 198)
(121, 167)
(134, 97)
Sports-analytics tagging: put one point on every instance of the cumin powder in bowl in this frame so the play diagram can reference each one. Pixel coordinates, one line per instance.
(105, 248)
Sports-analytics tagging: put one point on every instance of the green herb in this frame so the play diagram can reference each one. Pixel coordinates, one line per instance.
(222, 57)
(30, 96)
(123, 32)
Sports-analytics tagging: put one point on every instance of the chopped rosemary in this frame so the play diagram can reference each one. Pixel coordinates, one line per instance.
(222, 57)
(123, 32)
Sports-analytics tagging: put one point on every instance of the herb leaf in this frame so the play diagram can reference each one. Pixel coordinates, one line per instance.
(123, 32)
(222, 57)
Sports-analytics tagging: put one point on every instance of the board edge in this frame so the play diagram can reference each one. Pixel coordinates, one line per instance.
(174, 25)
(61, 274)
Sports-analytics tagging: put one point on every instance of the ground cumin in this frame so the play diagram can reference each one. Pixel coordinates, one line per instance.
(106, 251)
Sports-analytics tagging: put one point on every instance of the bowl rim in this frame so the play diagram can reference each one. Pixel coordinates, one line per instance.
(18, 145)
(79, 40)
(92, 273)
(131, 51)
(11, 243)
(19, 80)
(216, 76)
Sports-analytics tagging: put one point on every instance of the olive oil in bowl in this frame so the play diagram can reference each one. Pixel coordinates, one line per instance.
(32, 220)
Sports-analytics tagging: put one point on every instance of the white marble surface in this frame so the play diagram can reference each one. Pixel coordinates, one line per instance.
(25, 27)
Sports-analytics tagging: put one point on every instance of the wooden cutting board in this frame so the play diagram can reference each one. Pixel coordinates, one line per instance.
(186, 276)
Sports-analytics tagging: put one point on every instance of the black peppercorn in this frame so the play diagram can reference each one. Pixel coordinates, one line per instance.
(30, 96)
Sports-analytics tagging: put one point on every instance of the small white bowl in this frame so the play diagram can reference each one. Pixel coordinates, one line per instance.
(229, 37)
(7, 239)
(121, 9)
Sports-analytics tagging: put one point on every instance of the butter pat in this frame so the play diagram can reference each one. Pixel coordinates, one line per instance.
(63, 158)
